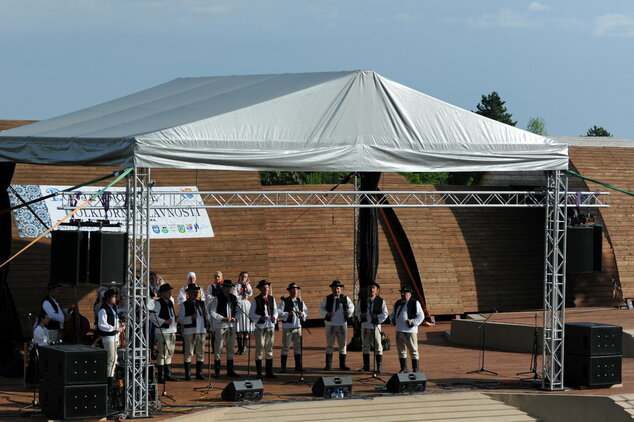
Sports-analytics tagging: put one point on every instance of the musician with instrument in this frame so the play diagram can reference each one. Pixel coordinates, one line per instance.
(336, 308)
(164, 317)
(193, 315)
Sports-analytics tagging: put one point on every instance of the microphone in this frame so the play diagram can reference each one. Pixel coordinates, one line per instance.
(28, 314)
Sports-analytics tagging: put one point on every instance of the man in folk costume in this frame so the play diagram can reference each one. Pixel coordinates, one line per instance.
(164, 318)
(264, 313)
(372, 311)
(222, 309)
(336, 308)
(193, 316)
(182, 293)
(293, 311)
(52, 308)
(407, 316)
(109, 329)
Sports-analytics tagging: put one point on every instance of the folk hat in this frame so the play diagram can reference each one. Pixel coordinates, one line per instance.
(165, 287)
(263, 283)
(229, 283)
(293, 286)
(336, 283)
(192, 287)
(374, 283)
(406, 290)
(53, 285)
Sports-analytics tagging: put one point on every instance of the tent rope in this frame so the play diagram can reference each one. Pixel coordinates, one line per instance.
(70, 214)
(572, 173)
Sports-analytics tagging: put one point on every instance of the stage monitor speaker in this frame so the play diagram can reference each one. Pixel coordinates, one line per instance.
(584, 248)
(250, 390)
(70, 364)
(108, 257)
(593, 339)
(592, 371)
(69, 256)
(407, 382)
(333, 387)
(73, 401)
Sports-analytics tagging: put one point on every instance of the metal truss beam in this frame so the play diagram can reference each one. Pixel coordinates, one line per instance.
(351, 199)
(554, 282)
(137, 294)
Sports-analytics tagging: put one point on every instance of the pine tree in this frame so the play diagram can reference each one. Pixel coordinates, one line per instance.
(492, 106)
(597, 131)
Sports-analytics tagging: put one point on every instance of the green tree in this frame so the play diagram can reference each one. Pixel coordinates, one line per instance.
(537, 125)
(597, 131)
(492, 106)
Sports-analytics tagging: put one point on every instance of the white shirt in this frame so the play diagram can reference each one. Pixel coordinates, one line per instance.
(338, 318)
(102, 324)
(400, 320)
(156, 320)
(58, 316)
(269, 319)
(292, 321)
(40, 336)
(367, 322)
(217, 319)
(186, 320)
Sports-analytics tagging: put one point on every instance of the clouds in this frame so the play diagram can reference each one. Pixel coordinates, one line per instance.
(614, 25)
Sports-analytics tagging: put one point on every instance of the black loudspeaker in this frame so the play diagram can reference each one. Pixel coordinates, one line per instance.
(71, 364)
(108, 257)
(69, 256)
(592, 371)
(333, 387)
(408, 382)
(593, 339)
(73, 401)
(243, 390)
(584, 248)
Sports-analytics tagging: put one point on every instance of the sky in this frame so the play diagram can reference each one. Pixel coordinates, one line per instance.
(568, 62)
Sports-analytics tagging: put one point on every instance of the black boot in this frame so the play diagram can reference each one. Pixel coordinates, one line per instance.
(159, 374)
(403, 362)
(245, 344)
(269, 369)
(283, 360)
(188, 371)
(199, 371)
(414, 365)
(298, 362)
(328, 366)
(258, 367)
(342, 362)
(230, 372)
(379, 364)
(240, 345)
(366, 362)
(217, 368)
(168, 373)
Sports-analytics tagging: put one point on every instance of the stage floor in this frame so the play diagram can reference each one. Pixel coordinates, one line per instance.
(446, 367)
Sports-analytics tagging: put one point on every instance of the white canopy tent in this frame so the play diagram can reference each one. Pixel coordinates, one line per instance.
(332, 121)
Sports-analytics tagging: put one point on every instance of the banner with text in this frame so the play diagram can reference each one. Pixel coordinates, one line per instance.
(165, 223)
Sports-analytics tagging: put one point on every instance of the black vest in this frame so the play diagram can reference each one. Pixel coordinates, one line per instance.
(52, 325)
(376, 308)
(165, 313)
(288, 306)
(259, 306)
(330, 304)
(110, 318)
(411, 308)
(221, 309)
(190, 309)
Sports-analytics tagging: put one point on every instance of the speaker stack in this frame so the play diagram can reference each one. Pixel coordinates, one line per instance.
(76, 259)
(74, 381)
(584, 248)
(592, 354)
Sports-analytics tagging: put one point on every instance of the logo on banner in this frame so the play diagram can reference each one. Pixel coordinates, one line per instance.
(165, 229)
(181, 228)
(156, 229)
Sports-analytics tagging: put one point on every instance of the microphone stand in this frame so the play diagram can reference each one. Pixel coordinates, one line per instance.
(249, 338)
(36, 380)
(482, 370)
(210, 383)
(300, 380)
(533, 369)
(374, 375)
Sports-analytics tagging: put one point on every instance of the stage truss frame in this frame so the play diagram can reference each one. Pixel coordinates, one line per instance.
(555, 199)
